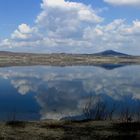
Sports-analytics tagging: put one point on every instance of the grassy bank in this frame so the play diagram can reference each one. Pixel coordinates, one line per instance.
(21, 59)
(67, 130)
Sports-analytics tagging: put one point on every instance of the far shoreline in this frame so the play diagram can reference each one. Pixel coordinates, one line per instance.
(62, 59)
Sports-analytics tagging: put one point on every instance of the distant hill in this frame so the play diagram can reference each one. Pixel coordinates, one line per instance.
(104, 53)
(108, 59)
(5, 52)
(111, 53)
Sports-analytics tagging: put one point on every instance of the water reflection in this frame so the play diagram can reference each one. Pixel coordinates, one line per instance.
(41, 92)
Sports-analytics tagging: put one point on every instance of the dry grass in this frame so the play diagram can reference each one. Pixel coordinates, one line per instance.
(68, 130)
(18, 59)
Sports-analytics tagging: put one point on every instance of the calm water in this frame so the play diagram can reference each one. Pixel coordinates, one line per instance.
(42, 92)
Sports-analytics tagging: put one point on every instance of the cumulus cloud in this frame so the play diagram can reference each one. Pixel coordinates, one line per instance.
(123, 2)
(73, 27)
(60, 23)
(23, 32)
(116, 35)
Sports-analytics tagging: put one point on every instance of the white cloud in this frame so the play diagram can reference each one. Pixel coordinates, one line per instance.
(23, 32)
(59, 27)
(53, 3)
(123, 2)
(64, 26)
(115, 35)
(65, 20)
(134, 30)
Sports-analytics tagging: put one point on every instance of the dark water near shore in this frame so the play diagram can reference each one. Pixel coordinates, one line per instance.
(43, 92)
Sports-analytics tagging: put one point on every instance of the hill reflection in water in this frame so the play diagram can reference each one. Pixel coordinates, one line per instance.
(42, 92)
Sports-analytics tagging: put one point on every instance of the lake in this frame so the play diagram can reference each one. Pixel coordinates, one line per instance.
(45, 92)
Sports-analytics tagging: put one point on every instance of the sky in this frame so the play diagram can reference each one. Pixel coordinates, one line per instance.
(70, 26)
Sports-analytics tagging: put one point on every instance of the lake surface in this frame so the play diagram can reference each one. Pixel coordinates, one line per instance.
(43, 92)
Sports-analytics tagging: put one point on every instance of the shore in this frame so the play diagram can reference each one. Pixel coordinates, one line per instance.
(20, 59)
(68, 130)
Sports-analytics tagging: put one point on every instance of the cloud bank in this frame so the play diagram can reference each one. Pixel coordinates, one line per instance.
(123, 2)
(72, 27)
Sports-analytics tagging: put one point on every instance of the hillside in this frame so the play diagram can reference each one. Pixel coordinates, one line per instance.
(63, 59)
(103, 53)
(111, 53)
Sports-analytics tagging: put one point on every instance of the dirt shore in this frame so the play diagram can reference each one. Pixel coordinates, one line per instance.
(67, 130)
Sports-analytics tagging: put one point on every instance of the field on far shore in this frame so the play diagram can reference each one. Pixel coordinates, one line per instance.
(68, 130)
(25, 59)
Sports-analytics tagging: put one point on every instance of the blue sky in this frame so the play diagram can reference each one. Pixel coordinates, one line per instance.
(15, 12)
(23, 28)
